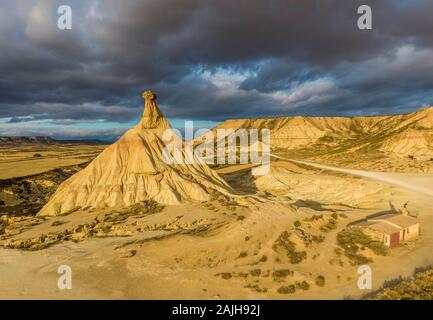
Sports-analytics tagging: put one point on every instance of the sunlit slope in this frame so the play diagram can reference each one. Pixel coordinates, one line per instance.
(401, 135)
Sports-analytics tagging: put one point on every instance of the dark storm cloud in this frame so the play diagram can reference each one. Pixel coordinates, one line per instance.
(213, 59)
(58, 111)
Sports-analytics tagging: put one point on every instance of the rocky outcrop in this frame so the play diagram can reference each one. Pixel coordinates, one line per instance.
(401, 135)
(133, 170)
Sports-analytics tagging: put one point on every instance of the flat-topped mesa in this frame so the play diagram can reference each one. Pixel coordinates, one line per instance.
(152, 116)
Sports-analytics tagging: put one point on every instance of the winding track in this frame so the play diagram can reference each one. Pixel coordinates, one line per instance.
(379, 176)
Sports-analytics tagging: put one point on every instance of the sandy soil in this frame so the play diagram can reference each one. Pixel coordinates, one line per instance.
(222, 248)
(21, 161)
(422, 183)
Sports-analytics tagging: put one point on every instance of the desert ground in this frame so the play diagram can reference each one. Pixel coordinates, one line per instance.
(245, 246)
(132, 225)
(21, 161)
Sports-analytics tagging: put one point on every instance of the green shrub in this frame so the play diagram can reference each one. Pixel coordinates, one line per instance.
(256, 288)
(232, 203)
(225, 275)
(243, 254)
(297, 223)
(256, 272)
(297, 257)
(378, 248)
(282, 273)
(417, 287)
(302, 285)
(351, 238)
(287, 289)
(283, 242)
(347, 238)
(358, 259)
(317, 239)
(320, 281)
(242, 274)
(329, 226)
(314, 217)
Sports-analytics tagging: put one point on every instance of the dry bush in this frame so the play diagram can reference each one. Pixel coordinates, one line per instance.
(289, 247)
(351, 239)
(320, 281)
(287, 289)
(282, 273)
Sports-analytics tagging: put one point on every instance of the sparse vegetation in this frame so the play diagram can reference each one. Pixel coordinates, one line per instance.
(33, 192)
(256, 287)
(206, 256)
(282, 273)
(314, 217)
(232, 203)
(289, 247)
(317, 239)
(102, 226)
(263, 259)
(351, 240)
(287, 289)
(417, 287)
(224, 275)
(255, 272)
(242, 275)
(320, 281)
(329, 226)
(243, 254)
(378, 248)
(303, 285)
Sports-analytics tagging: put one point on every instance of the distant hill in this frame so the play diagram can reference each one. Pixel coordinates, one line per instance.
(41, 140)
(84, 141)
(405, 135)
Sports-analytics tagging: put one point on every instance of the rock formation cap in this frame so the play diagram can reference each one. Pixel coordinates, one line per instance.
(152, 116)
(149, 95)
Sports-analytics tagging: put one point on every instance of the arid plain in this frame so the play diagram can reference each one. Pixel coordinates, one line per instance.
(221, 232)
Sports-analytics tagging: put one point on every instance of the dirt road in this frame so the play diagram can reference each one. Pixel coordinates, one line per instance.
(408, 181)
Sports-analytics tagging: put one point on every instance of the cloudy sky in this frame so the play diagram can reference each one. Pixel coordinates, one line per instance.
(208, 61)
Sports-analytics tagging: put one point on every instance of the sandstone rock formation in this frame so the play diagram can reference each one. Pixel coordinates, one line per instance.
(400, 135)
(133, 170)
